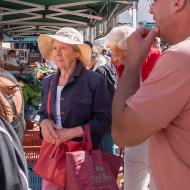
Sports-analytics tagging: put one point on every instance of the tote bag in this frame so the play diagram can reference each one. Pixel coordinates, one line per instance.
(90, 169)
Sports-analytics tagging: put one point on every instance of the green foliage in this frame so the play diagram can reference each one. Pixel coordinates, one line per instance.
(31, 93)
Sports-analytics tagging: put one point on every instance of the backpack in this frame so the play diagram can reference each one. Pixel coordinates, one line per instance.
(110, 74)
(13, 166)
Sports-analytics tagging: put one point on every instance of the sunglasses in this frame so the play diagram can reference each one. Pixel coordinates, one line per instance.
(151, 2)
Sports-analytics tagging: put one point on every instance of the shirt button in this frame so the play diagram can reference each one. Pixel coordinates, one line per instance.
(62, 113)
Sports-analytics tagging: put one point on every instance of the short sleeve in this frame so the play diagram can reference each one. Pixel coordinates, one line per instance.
(162, 96)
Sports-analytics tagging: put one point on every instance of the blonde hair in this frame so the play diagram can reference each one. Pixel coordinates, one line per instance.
(118, 36)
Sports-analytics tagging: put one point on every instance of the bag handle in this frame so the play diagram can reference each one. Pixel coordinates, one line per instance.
(49, 101)
(49, 104)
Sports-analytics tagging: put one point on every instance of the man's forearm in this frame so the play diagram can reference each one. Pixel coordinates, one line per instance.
(127, 86)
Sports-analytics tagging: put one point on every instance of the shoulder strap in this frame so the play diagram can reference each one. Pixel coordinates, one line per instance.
(49, 100)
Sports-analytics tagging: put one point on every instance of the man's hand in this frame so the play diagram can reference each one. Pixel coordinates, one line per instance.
(139, 44)
(48, 131)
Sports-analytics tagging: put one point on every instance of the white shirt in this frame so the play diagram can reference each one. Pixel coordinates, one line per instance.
(58, 112)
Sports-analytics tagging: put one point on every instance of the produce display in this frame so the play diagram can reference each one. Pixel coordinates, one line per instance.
(31, 87)
(43, 70)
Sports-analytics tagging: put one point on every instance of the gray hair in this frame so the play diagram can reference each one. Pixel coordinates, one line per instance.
(118, 36)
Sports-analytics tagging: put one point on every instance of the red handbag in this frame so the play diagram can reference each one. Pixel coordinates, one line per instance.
(91, 169)
(51, 164)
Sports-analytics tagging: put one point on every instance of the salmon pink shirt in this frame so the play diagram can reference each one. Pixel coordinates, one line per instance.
(164, 99)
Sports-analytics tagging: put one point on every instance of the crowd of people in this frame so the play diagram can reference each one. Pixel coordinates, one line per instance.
(131, 94)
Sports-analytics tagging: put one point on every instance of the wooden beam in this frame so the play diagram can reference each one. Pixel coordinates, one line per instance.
(75, 13)
(25, 3)
(67, 20)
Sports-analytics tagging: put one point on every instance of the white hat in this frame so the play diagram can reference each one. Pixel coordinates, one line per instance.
(66, 35)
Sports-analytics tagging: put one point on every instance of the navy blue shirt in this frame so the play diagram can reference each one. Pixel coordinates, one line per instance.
(84, 99)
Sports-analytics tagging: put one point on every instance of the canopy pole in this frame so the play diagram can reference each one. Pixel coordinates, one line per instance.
(135, 14)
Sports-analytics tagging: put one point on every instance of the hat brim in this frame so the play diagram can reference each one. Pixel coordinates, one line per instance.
(45, 43)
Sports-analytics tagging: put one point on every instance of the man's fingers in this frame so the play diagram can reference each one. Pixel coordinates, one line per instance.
(150, 38)
(142, 31)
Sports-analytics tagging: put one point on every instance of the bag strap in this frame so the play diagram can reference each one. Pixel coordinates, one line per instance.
(87, 141)
(49, 101)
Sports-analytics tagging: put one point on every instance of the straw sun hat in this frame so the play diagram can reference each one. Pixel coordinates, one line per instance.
(66, 35)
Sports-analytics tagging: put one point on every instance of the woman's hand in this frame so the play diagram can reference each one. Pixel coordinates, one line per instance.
(48, 131)
(66, 134)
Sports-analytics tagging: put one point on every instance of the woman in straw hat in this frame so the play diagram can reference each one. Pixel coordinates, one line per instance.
(77, 96)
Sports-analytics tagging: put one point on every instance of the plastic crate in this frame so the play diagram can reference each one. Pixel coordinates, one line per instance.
(35, 182)
(31, 153)
(32, 138)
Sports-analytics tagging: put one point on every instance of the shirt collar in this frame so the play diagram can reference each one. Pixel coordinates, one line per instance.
(76, 73)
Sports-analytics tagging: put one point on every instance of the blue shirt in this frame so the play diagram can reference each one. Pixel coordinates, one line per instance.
(84, 99)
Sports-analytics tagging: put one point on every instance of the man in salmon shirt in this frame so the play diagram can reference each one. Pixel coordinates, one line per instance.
(158, 108)
(136, 164)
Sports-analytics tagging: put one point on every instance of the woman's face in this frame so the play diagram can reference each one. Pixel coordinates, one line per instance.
(64, 55)
(118, 56)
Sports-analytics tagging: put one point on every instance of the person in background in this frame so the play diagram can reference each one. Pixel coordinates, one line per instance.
(103, 66)
(78, 96)
(97, 59)
(114, 41)
(11, 62)
(13, 166)
(136, 164)
(159, 107)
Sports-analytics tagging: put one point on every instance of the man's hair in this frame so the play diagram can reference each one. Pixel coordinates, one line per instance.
(117, 36)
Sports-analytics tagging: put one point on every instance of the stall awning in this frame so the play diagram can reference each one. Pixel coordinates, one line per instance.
(24, 17)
